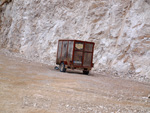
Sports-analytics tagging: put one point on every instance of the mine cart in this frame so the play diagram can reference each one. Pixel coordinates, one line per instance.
(75, 54)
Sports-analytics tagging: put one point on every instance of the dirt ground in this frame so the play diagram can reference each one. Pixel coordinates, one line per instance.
(30, 87)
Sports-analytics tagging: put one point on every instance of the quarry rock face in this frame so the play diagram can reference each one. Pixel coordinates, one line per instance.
(119, 28)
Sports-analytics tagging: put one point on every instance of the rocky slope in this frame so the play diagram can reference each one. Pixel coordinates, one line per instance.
(120, 29)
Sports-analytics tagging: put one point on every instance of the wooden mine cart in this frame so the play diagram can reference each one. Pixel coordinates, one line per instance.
(75, 54)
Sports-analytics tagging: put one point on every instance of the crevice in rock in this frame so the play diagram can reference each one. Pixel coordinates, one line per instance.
(5, 2)
(147, 1)
(123, 22)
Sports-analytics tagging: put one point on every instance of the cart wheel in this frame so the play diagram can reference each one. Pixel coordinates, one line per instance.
(85, 72)
(62, 67)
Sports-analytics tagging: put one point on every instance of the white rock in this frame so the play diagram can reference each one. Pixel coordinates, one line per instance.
(120, 28)
(149, 96)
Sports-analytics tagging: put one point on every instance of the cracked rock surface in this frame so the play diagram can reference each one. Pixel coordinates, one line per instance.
(119, 28)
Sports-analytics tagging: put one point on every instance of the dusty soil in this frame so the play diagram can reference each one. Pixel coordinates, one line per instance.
(30, 87)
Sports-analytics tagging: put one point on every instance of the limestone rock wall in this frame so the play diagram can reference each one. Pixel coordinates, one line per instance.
(120, 29)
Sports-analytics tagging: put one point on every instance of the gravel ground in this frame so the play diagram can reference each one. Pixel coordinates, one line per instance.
(31, 87)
